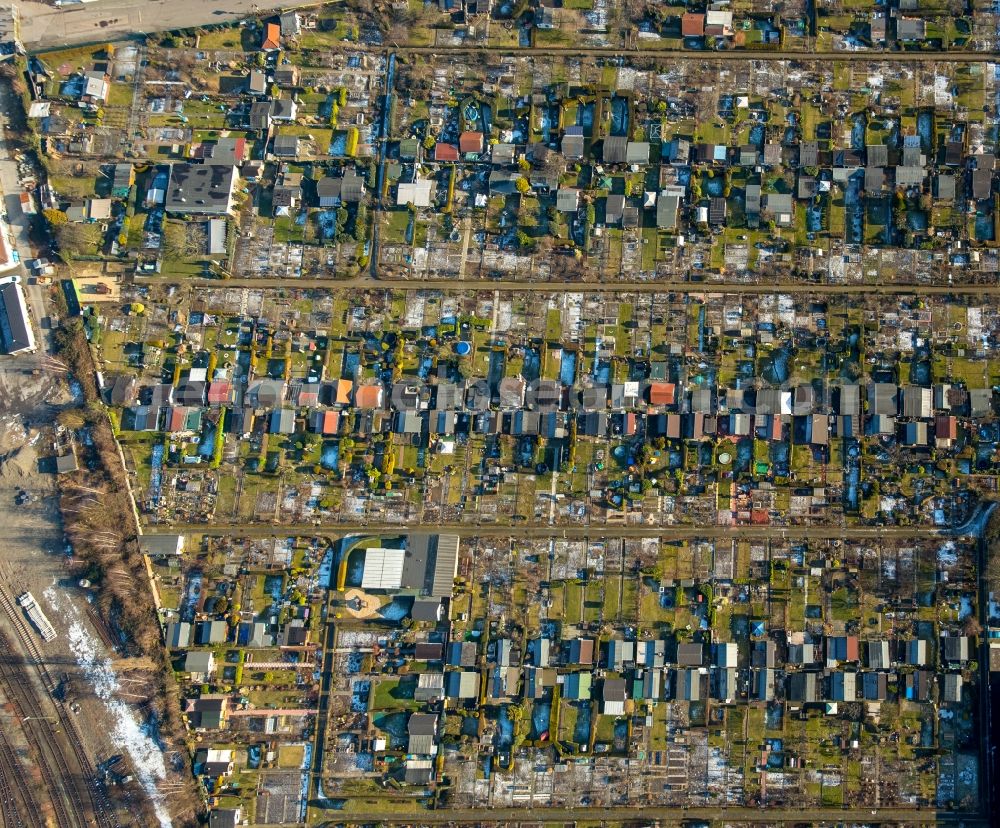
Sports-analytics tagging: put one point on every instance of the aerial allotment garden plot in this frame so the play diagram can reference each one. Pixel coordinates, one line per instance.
(550, 409)
(696, 672)
(572, 409)
(223, 154)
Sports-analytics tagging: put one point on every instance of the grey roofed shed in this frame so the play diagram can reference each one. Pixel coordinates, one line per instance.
(615, 149)
(779, 203)
(666, 211)
(573, 143)
(717, 210)
(614, 209)
(328, 187)
(874, 179)
(909, 176)
(808, 154)
(850, 401)
(952, 691)
(502, 154)
(637, 152)
(690, 654)
(426, 610)
(883, 398)
(982, 182)
(877, 155)
(567, 199)
(198, 661)
(422, 724)
(910, 28)
(945, 187)
(352, 187)
(282, 421)
(912, 156)
(802, 687)
(980, 402)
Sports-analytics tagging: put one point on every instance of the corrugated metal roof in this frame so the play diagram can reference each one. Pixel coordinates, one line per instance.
(445, 566)
(383, 569)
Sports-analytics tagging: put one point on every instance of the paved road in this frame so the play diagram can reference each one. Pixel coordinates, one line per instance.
(595, 532)
(987, 755)
(592, 815)
(704, 57)
(48, 26)
(10, 189)
(323, 707)
(366, 282)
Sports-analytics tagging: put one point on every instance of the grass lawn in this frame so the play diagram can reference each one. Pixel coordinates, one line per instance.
(72, 186)
(286, 229)
(290, 756)
(567, 720)
(574, 602)
(605, 730)
(553, 325)
(611, 600)
(395, 228)
(394, 694)
(120, 95)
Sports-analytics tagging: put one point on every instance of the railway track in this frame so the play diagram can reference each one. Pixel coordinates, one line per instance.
(13, 787)
(8, 807)
(38, 731)
(81, 789)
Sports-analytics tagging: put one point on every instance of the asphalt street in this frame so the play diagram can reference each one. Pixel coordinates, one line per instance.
(47, 26)
(596, 532)
(672, 815)
(651, 286)
(10, 189)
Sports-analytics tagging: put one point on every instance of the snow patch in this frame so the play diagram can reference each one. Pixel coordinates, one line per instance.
(128, 734)
(947, 555)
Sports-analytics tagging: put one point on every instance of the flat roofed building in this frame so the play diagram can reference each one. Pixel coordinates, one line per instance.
(216, 236)
(417, 193)
(161, 546)
(952, 690)
(383, 569)
(690, 654)
(462, 684)
(418, 771)
(201, 188)
(15, 324)
(430, 564)
(916, 652)
(802, 687)
(430, 687)
(614, 697)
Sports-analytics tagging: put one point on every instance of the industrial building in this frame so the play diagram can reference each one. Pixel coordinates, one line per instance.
(427, 566)
(15, 324)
